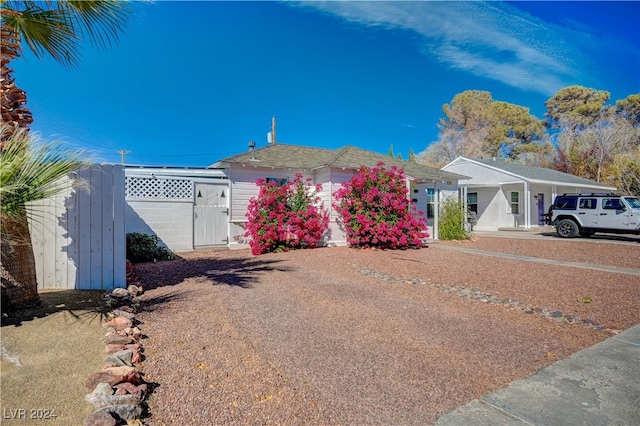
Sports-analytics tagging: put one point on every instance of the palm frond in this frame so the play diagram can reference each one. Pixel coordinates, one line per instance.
(46, 32)
(32, 169)
(102, 20)
(57, 27)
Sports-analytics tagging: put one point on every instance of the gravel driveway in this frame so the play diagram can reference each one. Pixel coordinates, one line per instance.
(344, 336)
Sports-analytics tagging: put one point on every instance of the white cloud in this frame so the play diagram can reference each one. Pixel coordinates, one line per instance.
(488, 39)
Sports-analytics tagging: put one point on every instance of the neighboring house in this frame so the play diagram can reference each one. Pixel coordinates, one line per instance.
(509, 195)
(329, 168)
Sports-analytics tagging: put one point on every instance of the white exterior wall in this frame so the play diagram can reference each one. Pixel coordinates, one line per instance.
(172, 222)
(78, 236)
(237, 240)
(336, 235)
(480, 175)
(507, 218)
(488, 209)
(242, 188)
(534, 199)
(323, 177)
(442, 191)
(160, 201)
(494, 188)
(419, 194)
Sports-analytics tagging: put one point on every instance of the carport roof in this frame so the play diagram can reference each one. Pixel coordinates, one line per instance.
(536, 174)
(349, 157)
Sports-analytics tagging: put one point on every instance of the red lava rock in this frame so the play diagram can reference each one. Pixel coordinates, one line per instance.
(122, 370)
(125, 388)
(118, 339)
(134, 347)
(119, 323)
(122, 357)
(100, 418)
(108, 365)
(133, 378)
(136, 357)
(113, 348)
(122, 313)
(102, 377)
(134, 332)
(113, 376)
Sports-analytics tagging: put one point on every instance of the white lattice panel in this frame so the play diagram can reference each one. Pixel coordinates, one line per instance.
(159, 189)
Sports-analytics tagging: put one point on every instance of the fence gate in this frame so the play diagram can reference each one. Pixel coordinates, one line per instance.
(210, 215)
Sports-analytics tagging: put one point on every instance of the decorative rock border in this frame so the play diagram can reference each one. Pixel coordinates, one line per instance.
(476, 294)
(118, 390)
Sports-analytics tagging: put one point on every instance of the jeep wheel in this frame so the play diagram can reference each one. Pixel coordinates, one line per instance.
(567, 228)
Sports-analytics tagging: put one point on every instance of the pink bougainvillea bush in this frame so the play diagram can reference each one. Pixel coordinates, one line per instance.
(376, 211)
(285, 217)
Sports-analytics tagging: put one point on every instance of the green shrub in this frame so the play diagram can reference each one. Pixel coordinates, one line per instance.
(145, 248)
(451, 225)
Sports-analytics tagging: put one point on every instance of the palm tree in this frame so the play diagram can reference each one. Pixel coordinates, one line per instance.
(54, 28)
(31, 169)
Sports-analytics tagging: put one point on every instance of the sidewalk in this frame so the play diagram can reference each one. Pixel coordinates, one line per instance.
(549, 233)
(596, 267)
(599, 385)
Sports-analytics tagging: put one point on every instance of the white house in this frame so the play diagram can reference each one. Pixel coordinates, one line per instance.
(510, 195)
(79, 235)
(329, 168)
(189, 208)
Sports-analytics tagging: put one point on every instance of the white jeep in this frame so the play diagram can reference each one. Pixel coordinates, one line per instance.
(586, 214)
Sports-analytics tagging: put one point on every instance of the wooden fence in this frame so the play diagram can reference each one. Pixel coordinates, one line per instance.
(79, 235)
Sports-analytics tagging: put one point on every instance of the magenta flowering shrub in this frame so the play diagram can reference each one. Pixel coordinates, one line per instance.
(376, 212)
(285, 217)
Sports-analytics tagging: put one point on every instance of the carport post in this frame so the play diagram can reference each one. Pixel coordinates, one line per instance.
(436, 210)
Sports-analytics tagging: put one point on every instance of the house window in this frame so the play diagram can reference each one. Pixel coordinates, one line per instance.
(472, 202)
(431, 204)
(515, 202)
(279, 181)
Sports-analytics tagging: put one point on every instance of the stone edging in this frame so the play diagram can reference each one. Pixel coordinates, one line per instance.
(475, 294)
(118, 390)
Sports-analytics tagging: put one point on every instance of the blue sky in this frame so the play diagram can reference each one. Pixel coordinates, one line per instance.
(190, 83)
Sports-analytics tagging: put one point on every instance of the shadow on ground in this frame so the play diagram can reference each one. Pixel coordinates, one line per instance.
(233, 271)
(78, 303)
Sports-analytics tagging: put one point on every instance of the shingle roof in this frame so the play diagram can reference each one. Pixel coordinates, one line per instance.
(349, 157)
(539, 173)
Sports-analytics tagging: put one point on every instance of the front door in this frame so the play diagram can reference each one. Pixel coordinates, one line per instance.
(210, 215)
(541, 211)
